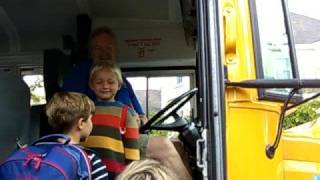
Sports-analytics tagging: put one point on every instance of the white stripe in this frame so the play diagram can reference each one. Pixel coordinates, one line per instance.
(99, 169)
(102, 176)
(96, 162)
(91, 156)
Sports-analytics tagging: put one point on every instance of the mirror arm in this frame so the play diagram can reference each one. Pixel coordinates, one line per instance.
(271, 149)
(304, 101)
(295, 84)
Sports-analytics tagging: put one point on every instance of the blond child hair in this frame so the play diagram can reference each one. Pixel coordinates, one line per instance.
(109, 66)
(147, 169)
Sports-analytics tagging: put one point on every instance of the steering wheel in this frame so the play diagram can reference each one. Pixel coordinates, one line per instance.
(156, 122)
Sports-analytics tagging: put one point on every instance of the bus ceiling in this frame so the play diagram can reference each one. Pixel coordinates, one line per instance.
(148, 30)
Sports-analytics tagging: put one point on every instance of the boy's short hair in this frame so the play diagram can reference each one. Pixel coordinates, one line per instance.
(65, 109)
(109, 66)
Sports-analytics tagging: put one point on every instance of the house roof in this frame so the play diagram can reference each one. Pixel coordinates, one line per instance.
(306, 30)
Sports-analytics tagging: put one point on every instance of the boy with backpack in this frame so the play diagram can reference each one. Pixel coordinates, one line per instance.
(58, 156)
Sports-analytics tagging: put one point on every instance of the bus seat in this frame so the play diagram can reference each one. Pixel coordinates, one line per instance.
(36, 113)
(14, 111)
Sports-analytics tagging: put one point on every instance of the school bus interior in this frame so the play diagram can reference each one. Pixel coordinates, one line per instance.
(166, 49)
(41, 40)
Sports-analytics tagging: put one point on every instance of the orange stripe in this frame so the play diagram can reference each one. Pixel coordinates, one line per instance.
(132, 133)
(104, 142)
(105, 120)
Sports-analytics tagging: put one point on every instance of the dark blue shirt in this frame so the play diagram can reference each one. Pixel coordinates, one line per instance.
(77, 80)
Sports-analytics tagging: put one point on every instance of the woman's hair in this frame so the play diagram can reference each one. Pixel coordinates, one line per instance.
(147, 169)
(65, 109)
(106, 66)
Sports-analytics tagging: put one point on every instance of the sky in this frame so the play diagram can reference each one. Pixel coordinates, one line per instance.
(310, 8)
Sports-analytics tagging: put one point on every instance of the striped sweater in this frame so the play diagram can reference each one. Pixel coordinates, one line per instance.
(116, 150)
(99, 171)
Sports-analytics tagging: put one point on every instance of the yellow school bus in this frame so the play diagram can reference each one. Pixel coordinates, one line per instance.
(237, 58)
(259, 53)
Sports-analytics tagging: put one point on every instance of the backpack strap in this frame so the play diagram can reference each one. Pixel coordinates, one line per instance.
(82, 161)
(79, 155)
(123, 119)
(53, 138)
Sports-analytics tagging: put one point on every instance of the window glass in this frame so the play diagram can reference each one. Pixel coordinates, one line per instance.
(273, 41)
(305, 20)
(36, 85)
(139, 85)
(154, 93)
(166, 89)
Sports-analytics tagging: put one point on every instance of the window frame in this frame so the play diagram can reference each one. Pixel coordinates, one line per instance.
(28, 70)
(263, 94)
(164, 72)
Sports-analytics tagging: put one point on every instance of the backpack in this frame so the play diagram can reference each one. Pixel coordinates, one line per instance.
(123, 119)
(47, 159)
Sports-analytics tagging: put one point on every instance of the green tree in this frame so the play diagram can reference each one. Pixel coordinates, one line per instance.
(304, 113)
(36, 99)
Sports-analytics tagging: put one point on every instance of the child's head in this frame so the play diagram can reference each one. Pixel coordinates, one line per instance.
(70, 111)
(105, 80)
(146, 169)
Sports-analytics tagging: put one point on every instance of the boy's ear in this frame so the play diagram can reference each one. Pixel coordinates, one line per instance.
(80, 123)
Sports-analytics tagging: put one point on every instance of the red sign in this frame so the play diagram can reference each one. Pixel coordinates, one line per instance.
(143, 42)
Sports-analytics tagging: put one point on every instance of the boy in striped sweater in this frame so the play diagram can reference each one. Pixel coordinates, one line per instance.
(115, 131)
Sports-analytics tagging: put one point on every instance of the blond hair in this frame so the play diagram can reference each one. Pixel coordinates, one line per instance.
(106, 66)
(147, 169)
(65, 108)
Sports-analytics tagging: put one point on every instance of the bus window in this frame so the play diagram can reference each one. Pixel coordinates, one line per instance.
(36, 85)
(305, 21)
(271, 44)
(154, 93)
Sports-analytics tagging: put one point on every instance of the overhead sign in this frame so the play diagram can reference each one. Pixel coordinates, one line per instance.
(144, 46)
